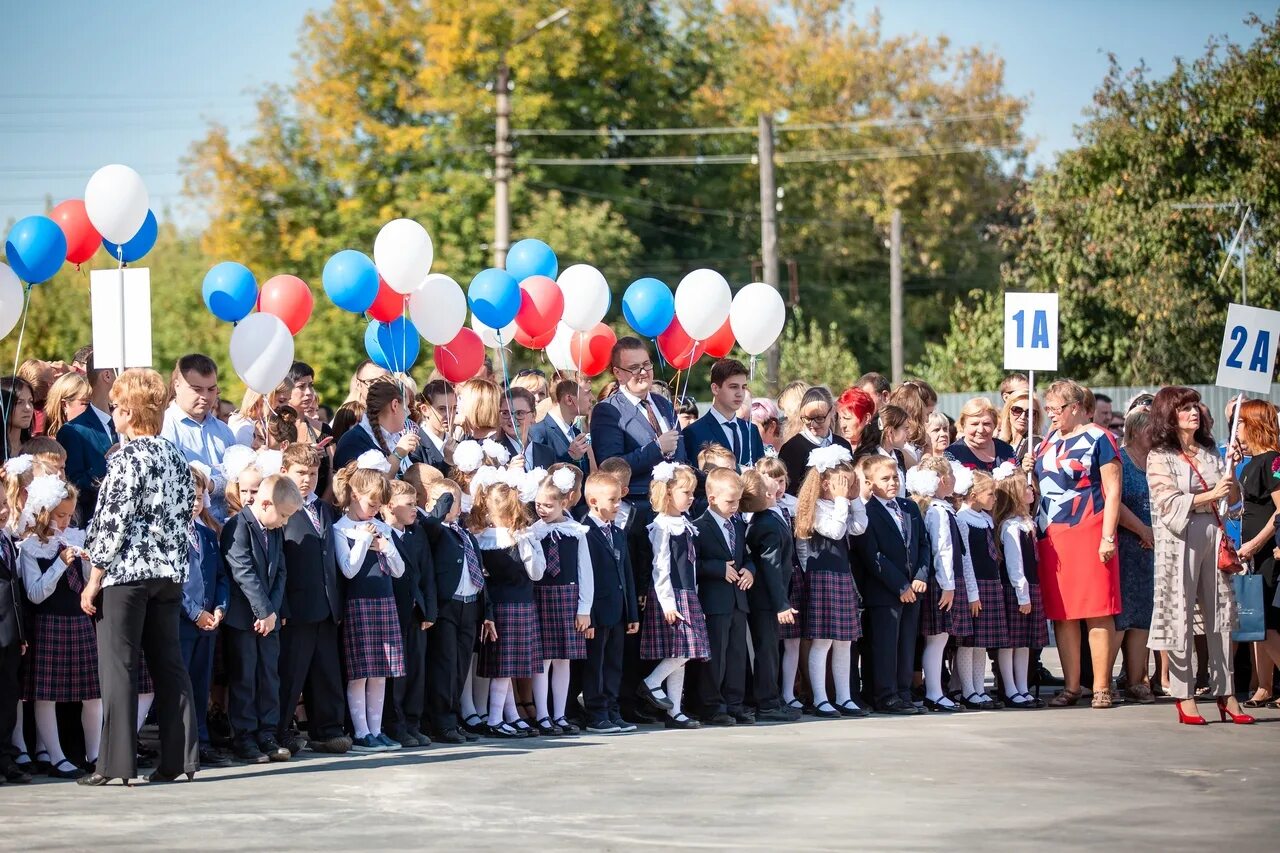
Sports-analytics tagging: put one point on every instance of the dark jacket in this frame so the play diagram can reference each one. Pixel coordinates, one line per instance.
(892, 564)
(707, 430)
(357, 440)
(415, 590)
(86, 441)
(448, 559)
(256, 569)
(615, 584)
(619, 428)
(215, 586)
(716, 594)
(13, 600)
(771, 550)
(312, 591)
(547, 433)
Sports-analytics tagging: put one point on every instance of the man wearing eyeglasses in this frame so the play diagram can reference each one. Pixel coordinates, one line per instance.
(722, 425)
(634, 424)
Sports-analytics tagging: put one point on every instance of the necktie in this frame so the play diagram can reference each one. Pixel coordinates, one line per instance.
(611, 530)
(111, 430)
(901, 519)
(786, 516)
(473, 562)
(574, 432)
(193, 547)
(384, 565)
(648, 412)
(553, 555)
(736, 439)
(730, 538)
(313, 513)
(74, 575)
(991, 545)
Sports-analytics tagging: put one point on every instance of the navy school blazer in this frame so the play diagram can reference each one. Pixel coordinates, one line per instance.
(415, 590)
(86, 442)
(257, 573)
(312, 592)
(770, 547)
(615, 584)
(890, 567)
(707, 430)
(716, 594)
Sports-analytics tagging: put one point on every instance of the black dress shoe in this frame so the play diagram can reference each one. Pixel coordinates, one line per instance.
(642, 715)
(681, 722)
(12, 772)
(420, 736)
(160, 778)
(720, 719)
(505, 731)
(939, 708)
(852, 709)
(1018, 703)
(334, 745)
(826, 710)
(273, 749)
(778, 715)
(64, 769)
(744, 718)
(1045, 678)
(662, 703)
(975, 702)
(898, 708)
(210, 757)
(248, 752)
(451, 736)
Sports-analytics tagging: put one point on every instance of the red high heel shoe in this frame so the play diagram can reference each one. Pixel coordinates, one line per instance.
(1189, 719)
(1238, 719)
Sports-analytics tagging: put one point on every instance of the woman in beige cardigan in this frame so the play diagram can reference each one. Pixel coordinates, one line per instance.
(1187, 480)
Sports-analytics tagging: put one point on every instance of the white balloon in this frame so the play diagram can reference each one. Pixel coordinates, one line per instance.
(757, 316)
(402, 252)
(586, 297)
(489, 335)
(439, 309)
(558, 350)
(261, 351)
(702, 303)
(11, 300)
(116, 201)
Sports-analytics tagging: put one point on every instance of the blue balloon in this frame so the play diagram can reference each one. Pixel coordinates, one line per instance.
(351, 280)
(531, 257)
(494, 297)
(36, 248)
(392, 346)
(139, 244)
(648, 306)
(230, 291)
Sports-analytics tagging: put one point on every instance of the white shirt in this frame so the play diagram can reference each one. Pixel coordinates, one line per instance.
(104, 417)
(38, 583)
(554, 417)
(967, 518)
(814, 440)
(527, 545)
(435, 440)
(1011, 545)
(624, 513)
(660, 532)
(721, 521)
(586, 575)
(937, 521)
(353, 543)
(732, 426)
(840, 518)
(663, 426)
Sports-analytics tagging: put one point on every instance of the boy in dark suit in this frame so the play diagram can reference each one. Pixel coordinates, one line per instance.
(721, 424)
(724, 576)
(896, 555)
(614, 613)
(416, 609)
(253, 547)
(435, 410)
(309, 640)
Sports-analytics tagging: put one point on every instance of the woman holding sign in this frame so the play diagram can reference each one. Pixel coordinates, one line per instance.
(1078, 470)
(1188, 480)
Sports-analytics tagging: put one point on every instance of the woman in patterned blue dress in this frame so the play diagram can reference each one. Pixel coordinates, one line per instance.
(1137, 559)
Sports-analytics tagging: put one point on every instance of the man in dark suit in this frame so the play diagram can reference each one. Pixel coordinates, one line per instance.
(436, 407)
(724, 576)
(895, 553)
(721, 425)
(88, 438)
(310, 654)
(634, 424)
(253, 546)
(558, 430)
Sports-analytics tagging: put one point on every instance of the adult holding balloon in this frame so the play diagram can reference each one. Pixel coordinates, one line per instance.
(191, 421)
(383, 428)
(634, 424)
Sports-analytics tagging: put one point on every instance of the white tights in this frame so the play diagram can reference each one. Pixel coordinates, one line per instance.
(502, 701)
(90, 721)
(364, 699)
(1013, 670)
(555, 674)
(669, 676)
(790, 667)
(935, 645)
(144, 706)
(475, 693)
(841, 658)
(971, 668)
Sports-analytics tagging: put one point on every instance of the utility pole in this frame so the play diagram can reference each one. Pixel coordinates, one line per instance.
(769, 234)
(895, 296)
(502, 142)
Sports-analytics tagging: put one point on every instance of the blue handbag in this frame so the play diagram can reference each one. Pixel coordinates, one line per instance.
(1250, 607)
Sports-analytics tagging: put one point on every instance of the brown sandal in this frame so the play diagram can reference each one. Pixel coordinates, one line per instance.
(1066, 698)
(1102, 698)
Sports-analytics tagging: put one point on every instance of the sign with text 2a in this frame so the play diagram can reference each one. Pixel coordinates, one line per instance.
(1031, 331)
(1248, 359)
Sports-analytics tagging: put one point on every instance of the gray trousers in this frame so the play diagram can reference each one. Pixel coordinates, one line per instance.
(1200, 581)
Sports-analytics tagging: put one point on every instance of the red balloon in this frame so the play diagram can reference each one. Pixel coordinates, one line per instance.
(678, 348)
(82, 238)
(289, 298)
(539, 342)
(461, 358)
(541, 304)
(719, 344)
(388, 305)
(590, 350)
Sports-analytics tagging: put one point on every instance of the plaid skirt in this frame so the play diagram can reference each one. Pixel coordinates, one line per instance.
(685, 639)
(831, 607)
(371, 642)
(990, 630)
(957, 622)
(62, 663)
(557, 607)
(145, 684)
(1030, 631)
(518, 650)
(796, 596)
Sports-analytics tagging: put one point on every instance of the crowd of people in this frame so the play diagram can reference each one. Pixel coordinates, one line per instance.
(525, 559)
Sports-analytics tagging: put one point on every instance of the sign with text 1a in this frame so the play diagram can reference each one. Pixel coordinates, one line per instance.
(1248, 359)
(1031, 331)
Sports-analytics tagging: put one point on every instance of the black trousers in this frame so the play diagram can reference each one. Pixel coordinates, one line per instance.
(449, 645)
(309, 659)
(405, 695)
(767, 671)
(143, 617)
(893, 649)
(253, 683)
(722, 681)
(10, 693)
(602, 675)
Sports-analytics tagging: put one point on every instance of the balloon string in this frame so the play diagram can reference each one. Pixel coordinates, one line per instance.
(689, 375)
(752, 376)
(506, 389)
(662, 362)
(17, 354)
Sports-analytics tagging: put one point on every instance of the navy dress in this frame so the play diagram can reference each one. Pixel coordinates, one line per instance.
(556, 594)
(517, 653)
(1137, 564)
(372, 646)
(62, 662)
(687, 638)
(990, 630)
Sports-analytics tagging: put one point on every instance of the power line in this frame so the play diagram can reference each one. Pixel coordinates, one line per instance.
(623, 132)
(816, 156)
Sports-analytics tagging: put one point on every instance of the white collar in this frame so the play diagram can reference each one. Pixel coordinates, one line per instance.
(814, 440)
(555, 417)
(674, 525)
(568, 527)
(601, 523)
(723, 421)
(105, 417)
(635, 401)
(718, 517)
(975, 517)
(889, 503)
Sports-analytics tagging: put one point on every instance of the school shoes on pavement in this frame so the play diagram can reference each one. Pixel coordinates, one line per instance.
(294, 741)
(661, 702)
(720, 718)
(367, 745)
(743, 717)
(622, 724)
(210, 757)
(388, 742)
(826, 710)
(681, 722)
(975, 702)
(274, 751)
(334, 745)
(939, 708)
(247, 751)
(779, 715)
(566, 727)
(404, 738)
(505, 731)
(603, 727)
(897, 707)
(546, 728)
(13, 772)
(852, 709)
(64, 769)
(452, 736)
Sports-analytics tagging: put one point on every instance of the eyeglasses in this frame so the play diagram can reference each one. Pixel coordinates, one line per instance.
(1057, 410)
(521, 414)
(637, 369)
(1017, 411)
(814, 420)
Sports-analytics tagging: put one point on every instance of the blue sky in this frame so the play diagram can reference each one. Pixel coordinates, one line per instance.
(88, 82)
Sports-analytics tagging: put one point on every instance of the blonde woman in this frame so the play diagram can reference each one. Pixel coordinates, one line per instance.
(789, 402)
(1013, 425)
(253, 410)
(977, 448)
(69, 396)
(479, 409)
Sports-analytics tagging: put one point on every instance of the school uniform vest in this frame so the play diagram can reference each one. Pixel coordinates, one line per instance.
(507, 582)
(1030, 563)
(683, 558)
(958, 548)
(370, 581)
(981, 543)
(566, 547)
(64, 601)
(826, 555)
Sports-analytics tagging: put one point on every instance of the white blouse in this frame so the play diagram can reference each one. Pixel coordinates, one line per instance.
(40, 583)
(937, 521)
(527, 545)
(352, 543)
(1011, 545)
(840, 517)
(660, 532)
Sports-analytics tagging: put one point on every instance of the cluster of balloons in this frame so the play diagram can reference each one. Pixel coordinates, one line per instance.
(262, 343)
(114, 213)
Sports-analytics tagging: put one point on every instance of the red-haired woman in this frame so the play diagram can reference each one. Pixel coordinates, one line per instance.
(1260, 484)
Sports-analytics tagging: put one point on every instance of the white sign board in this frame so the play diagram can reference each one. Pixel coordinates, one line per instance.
(1031, 331)
(121, 318)
(1248, 359)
